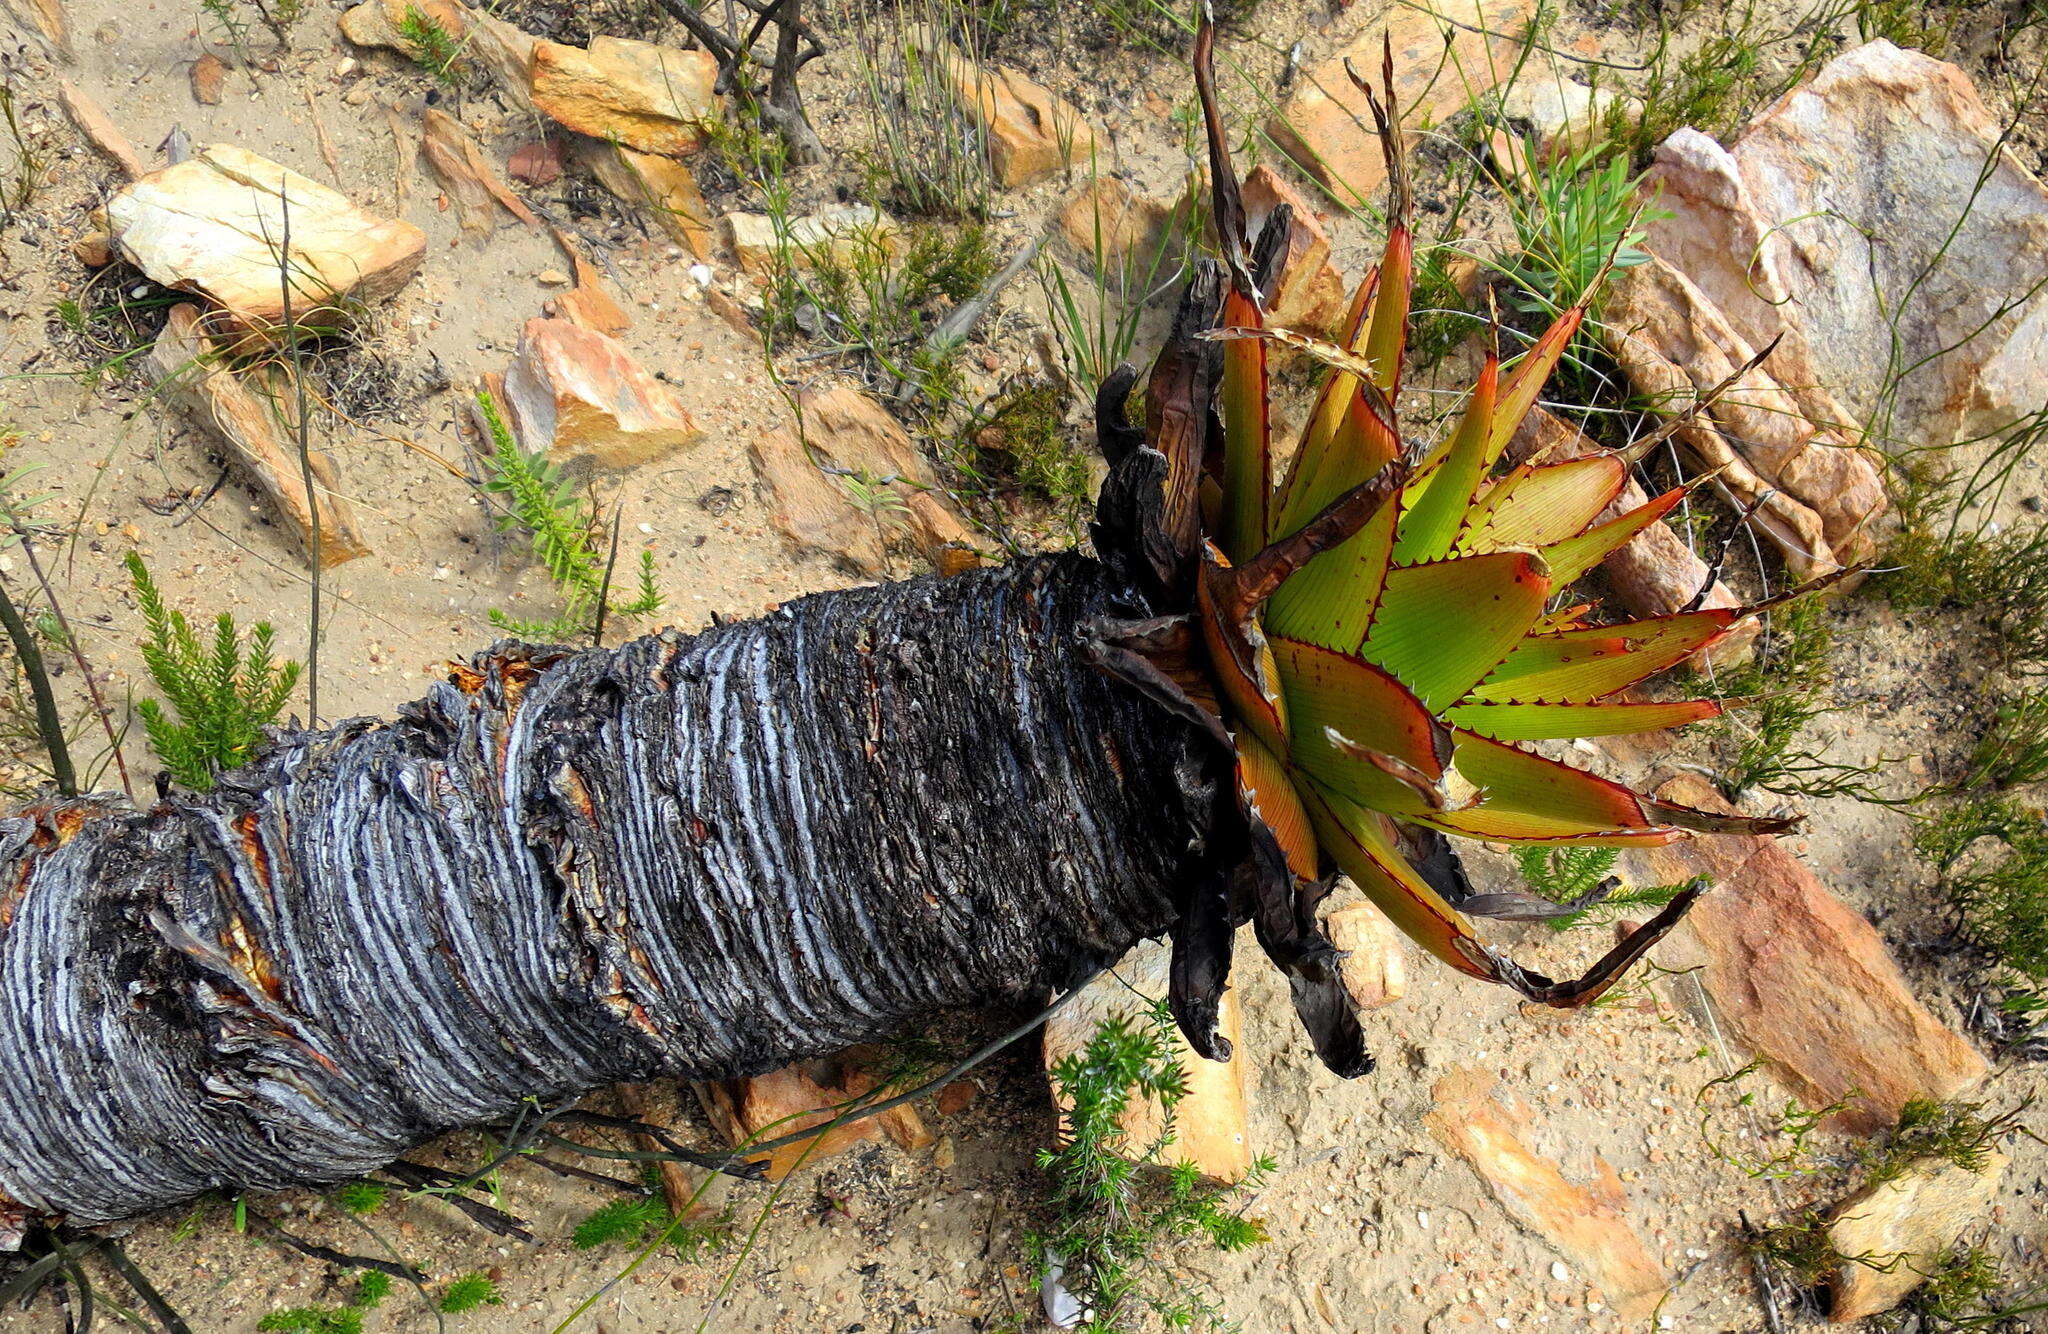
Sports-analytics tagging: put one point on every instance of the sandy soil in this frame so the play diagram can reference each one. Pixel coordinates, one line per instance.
(1374, 1227)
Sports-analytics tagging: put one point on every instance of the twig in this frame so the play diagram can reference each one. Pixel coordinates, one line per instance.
(306, 479)
(48, 722)
(138, 1282)
(328, 1255)
(92, 686)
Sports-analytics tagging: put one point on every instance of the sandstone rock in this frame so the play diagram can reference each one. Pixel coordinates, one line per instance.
(1588, 1224)
(1312, 297)
(380, 23)
(1827, 496)
(201, 384)
(1852, 210)
(661, 186)
(98, 128)
(588, 303)
(771, 1106)
(904, 1127)
(1554, 115)
(93, 250)
(212, 225)
(645, 96)
(845, 430)
(1030, 131)
(461, 166)
(579, 395)
(1654, 573)
(1113, 228)
(507, 53)
(1903, 1227)
(1803, 981)
(840, 232)
(209, 78)
(537, 162)
(1375, 967)
(1441, 61)
(1210, 1122)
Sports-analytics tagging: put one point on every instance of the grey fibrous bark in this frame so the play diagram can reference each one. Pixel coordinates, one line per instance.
(698, 856)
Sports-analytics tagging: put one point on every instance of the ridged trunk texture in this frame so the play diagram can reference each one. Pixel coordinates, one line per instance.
(693, 855)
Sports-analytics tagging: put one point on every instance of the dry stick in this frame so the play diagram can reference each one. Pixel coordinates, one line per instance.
(92, 686)
(48, 722)
(284, 282)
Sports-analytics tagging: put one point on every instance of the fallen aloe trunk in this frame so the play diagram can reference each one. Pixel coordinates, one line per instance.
(693, 856)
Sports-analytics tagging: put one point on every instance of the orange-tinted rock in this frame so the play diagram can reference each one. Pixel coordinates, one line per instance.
(1901, 1229)
(645, 96)
(1030, 131)
(1311, 297)
(209, 78)
(1589, 1225)
(1802, 980)
(577, 394)
(1375, 966)
(1441, 61)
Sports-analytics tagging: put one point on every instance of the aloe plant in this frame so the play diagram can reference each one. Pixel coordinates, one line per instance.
(1379, 643)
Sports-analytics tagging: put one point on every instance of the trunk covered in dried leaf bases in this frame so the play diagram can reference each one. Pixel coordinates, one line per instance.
(700, 856)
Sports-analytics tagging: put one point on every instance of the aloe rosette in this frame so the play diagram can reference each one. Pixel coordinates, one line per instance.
(1382, 635)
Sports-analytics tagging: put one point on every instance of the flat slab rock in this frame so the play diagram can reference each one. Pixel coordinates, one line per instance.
(640, 94)
(1873, 201)
(1442, 61)
(214, 224)
(1587, 1224)
(1209, 1123)
(1901, 1228)
(1804, 981)
(845, 435)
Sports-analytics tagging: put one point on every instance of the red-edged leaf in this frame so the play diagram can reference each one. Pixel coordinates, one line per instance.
(1534, 506)
(1330, 601)
(1442, 627)
(1575, 555)
(1578, 666)
(1247, 439)
(1547, 722)
(1436, 514)
(1335, 692)
(1528, 798)
(1359, 842)
(1526, 383)
(1268, 792)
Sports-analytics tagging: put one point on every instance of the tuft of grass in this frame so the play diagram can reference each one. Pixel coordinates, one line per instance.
(224, 692)
(1789, 684)
(433, 48)
(362, 1197)
(471, 1292)
(1990, 858)
(2014, 750)
(563, 533)
(1020, 436)
(629, 1220)
(1112, 1217)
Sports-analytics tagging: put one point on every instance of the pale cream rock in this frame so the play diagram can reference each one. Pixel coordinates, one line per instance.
(214, 225)
(1210, 1123)
(1853, 211)
(1903, 1227)
(1375, 966)
(839, 232)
